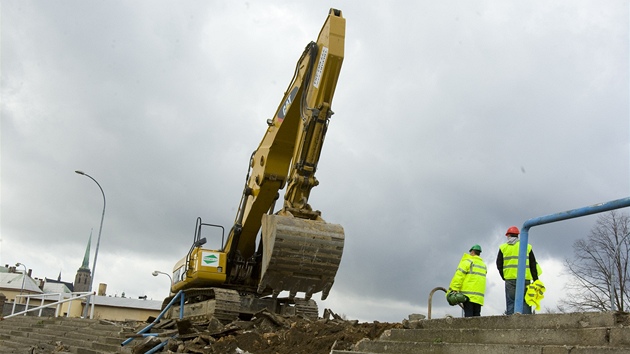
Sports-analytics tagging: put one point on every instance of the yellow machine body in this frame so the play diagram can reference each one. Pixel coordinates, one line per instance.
(206, 267)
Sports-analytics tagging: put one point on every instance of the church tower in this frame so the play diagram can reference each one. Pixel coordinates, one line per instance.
(84, 276)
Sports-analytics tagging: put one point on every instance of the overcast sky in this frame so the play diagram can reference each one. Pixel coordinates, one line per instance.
(453, 121)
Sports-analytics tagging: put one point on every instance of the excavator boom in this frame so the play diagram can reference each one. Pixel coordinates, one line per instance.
(301, 252)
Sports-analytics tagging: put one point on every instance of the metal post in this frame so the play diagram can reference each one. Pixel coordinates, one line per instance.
(157, 272)
(431, 299)
(23, 276)
(98, 241)
(182, 299)
(570, 214)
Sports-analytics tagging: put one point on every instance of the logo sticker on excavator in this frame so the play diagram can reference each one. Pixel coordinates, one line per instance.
(210, 259)
(287, 104)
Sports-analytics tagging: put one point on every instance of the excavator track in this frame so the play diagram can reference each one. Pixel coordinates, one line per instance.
(227, 305)
(204, 303)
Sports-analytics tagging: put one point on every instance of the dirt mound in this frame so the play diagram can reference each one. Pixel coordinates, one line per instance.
(266, 333)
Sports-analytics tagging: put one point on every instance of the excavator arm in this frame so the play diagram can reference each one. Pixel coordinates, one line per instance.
(301, 252)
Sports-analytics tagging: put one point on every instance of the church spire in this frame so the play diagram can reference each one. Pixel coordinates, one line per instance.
(83, 279)
(86, 257)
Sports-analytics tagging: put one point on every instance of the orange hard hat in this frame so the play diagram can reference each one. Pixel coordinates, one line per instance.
(512, 230)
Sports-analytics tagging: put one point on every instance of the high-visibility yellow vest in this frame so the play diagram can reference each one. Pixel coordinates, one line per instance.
(470, 278)
(510, 260)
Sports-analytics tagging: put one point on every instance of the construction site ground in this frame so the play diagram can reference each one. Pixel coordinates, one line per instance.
(570, 333)
(266, 333)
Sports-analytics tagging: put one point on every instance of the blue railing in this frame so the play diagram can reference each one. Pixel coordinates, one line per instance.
(570, 214)
(179, 296)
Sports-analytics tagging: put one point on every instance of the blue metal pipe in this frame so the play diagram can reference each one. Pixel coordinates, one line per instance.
(181, 304)
(180, 295)
(569, 214)
(157, 347)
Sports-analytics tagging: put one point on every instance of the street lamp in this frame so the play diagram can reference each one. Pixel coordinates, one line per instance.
(155, 274)
(98, 240)
(23, 275)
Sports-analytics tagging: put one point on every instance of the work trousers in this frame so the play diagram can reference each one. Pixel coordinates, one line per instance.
(471, 309)
(510, 297)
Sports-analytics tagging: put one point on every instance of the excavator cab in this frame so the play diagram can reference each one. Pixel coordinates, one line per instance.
(201, 266)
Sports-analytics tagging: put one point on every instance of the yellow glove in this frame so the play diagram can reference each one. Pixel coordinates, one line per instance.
(535, 293)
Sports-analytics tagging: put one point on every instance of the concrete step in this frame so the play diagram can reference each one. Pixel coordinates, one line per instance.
(556, 321)
(13, 346)
(616, 337)
(10, 346)
(576, 333)
(51, 343)
(28, 334)
(472, 348)
(86, 334)
(95, 337)
(86, 343)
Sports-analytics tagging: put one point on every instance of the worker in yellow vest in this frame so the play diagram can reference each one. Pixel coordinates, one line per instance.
(470, 280)
(507, 264)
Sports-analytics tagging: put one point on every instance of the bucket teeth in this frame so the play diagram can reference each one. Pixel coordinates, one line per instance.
(299, 255)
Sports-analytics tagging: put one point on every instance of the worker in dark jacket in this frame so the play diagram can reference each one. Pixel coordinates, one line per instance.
(507, 264)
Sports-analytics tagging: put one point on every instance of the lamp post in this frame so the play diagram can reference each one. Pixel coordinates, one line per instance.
(98, 240)
(155, 274)
(23, 275)
(613, 293)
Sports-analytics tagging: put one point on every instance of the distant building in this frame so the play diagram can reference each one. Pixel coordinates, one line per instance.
(83, 279)
(48, 291)
(13, 282)
(124, 309)
(57, 286)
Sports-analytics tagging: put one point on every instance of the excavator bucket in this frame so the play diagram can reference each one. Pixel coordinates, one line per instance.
(299, 255)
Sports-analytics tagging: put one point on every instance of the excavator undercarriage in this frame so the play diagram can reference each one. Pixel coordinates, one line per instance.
(228, 305)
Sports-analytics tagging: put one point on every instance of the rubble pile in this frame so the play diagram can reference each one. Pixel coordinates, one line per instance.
(265, 333)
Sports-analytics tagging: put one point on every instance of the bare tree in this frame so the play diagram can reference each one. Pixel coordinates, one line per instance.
(600, 268)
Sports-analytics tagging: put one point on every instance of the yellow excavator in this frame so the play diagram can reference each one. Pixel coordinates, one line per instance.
(296, 251)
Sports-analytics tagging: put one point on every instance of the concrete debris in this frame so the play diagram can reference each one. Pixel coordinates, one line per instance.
(147, 344)
(265, 333)
(414, 321)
